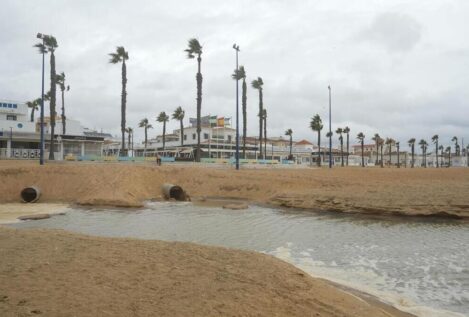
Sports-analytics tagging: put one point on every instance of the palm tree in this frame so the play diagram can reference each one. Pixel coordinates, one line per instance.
(376, 138)
(361, 137)
(441, 148)
(63, 88)
(129, 131)
(289, 133)
(121, 56)
(347, 131)
(389, 142)
(264, 117)
(448, 149)
(49, 45)
(339, 131)
(195, 49)
(435, 140)
(381, 144)
(257, 84)
(412, 151)
(163, 117)
(178, 114)
(456, 145)
(423, 145)
(316, 125)
(240, 74)
(34, 105)
(145, 125)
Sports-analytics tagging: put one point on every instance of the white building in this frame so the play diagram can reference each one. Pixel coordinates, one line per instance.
(14, 117)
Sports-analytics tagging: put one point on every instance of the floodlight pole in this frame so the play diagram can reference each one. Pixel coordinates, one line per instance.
(236, 48)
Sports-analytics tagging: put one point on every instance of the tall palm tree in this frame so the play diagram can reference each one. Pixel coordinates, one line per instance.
(178, 114)
(456, 145)
(257, 84)
(264, 117)
(63, 88)
(240, 74)
(389, 142)
(423, 145)
(163, 118)
(339, 131)
(381, 144)
(361, 137)
(448, 149)
(195, 49)
(435, 140)
(145, 125)
(49, 45)
(34, 105)
(376, 138)
(412, 151)
(347, 132)
(289, 133)
(129, 131)
(121, 55)
(441, 148)
(316, 125)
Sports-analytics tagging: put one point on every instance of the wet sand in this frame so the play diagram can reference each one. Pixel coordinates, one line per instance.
(54, 273)
(441, 192)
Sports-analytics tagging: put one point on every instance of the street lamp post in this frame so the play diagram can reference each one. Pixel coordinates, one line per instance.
(236, 48)
(41, 151)
(330, 129)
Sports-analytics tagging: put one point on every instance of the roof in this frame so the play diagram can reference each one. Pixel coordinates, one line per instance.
(303, 142)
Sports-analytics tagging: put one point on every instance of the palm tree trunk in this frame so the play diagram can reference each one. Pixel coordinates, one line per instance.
(63, 111)
(52, 105)
(341, 152)
(32, 114)
(182, 132)
(123, 105)
(363, 159)
(390, 146)
(244, 106)
(291, 145)
(146, 138)
(382, 156)
(199, 107)
(412, 152)
(319, 147)
(377, 153)
(128, 144)
(436, 153)
(164, 134)
(260, 121)
(347, 148)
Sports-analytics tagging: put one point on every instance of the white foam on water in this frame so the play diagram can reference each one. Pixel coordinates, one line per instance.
(361, 279)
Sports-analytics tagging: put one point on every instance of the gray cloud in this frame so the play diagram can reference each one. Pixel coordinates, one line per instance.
(297, 47)
(395, 31)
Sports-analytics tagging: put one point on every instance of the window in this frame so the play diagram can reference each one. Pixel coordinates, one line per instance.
(205, 136)
(229, 138)
(10, 105)
(11, 117)
(185, 137)
(15, 106)
(193, 136)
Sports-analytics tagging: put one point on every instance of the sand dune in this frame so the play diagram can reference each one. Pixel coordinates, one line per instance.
(372, 190)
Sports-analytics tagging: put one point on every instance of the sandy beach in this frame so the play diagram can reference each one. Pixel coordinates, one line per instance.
(56, 273)
(385, 191)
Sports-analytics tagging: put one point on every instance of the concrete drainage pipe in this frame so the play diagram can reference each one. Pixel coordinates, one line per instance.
(174, 191)
(30, 194)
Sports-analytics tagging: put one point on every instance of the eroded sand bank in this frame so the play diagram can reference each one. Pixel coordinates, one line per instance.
(371, 190)
(54, 273)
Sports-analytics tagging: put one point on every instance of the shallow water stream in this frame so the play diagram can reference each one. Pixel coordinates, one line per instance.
(420, 265)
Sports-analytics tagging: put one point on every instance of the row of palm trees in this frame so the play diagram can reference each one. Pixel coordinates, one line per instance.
(49, 45)
(317, 125)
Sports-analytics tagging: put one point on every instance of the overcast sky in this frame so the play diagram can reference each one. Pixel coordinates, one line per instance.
(399, 68)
